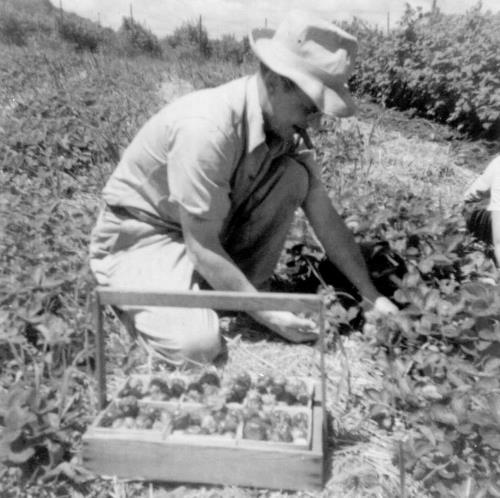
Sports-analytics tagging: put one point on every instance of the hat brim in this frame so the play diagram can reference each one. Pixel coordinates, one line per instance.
(330, 96)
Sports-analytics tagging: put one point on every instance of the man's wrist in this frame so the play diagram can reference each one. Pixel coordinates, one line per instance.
(370, 295)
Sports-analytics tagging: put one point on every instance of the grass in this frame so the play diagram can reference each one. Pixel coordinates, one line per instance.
(66, 118)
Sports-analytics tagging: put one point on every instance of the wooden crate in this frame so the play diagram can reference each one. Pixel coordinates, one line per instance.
(147, 455)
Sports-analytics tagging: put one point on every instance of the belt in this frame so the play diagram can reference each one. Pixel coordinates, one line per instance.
(144, 217)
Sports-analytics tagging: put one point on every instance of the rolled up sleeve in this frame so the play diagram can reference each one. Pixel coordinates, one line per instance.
(494, 204)
(200, 160)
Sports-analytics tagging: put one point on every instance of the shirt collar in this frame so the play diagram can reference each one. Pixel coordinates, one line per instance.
(254, 119)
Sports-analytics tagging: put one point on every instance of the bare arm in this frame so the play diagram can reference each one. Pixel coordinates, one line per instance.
(338, 242)
(209, 257)
(216, 267)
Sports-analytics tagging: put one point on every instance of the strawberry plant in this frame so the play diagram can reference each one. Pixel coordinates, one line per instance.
(65, 120)
(440, 355)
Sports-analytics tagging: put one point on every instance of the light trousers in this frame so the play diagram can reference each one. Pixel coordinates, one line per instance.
(141, 256)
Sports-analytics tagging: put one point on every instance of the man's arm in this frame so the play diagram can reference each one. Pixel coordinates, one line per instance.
(339, 244)
(216, 267)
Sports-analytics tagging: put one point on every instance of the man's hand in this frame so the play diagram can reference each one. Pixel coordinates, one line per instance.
(288, 325)
(381, 307)
(384, 306)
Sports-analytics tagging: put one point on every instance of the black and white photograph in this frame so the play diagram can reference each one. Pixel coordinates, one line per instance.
(249, 249)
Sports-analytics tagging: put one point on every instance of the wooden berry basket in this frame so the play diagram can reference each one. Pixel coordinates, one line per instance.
(210, 459)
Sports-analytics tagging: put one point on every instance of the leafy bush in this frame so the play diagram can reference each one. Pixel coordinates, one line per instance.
(139, 39)
(191, 37)
(20, 20)
(84, 35)
(35, 8)
(229, 49)
(443, 67)
(13, 29)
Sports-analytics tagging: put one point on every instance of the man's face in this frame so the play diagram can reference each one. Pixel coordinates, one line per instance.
(291, 110)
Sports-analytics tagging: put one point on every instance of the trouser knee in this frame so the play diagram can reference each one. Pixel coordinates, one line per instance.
(178, 335)
(203, 349)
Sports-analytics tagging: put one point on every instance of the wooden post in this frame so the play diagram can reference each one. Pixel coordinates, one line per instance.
(322, 362)
(60, 10)
(131, 13)
(388, 21)
(99, 351)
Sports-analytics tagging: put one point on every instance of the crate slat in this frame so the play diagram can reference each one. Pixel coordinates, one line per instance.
(130, 455)
(223, 300)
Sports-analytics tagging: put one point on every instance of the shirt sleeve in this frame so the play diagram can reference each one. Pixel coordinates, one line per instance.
(484, 185)
(200, 165)
(494, 204)
(477, 190)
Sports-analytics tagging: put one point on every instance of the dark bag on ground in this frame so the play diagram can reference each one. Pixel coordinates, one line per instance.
(478, 222)
(385, 266)
(307, 273)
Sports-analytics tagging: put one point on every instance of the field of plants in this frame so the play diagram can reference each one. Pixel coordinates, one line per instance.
(413, 401)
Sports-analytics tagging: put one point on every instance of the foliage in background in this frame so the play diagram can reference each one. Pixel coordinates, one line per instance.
(190, 39)
(229, 49)
(84, 35)
(19, 22)
(22, 20)
(442, 67)
(139, 39)
(13, 29)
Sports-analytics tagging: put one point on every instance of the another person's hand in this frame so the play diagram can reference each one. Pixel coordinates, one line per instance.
(288, 325)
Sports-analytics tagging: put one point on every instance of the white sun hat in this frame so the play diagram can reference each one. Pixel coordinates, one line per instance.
(315, 54)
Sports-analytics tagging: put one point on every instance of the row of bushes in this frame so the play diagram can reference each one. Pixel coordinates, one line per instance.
(21, 20)
(18, 27)
(191, 39)
(442, 67)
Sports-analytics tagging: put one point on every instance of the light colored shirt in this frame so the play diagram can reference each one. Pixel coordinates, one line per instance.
(201, 152)
(487, 185)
